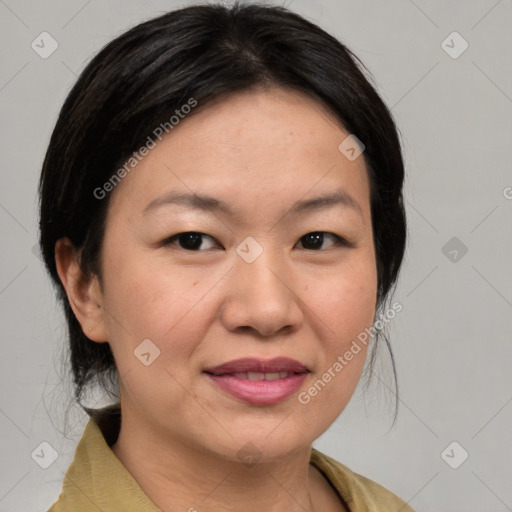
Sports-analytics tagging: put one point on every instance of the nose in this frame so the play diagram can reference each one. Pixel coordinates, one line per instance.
(261, 298)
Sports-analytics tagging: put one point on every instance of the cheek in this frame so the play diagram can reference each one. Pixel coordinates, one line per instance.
(344, 308)
(346, 302)
(171, 309)
(149, 300)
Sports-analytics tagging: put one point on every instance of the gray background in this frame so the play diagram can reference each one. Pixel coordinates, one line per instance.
(452, 342)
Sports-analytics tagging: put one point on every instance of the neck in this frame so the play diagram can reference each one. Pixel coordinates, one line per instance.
(176, 476)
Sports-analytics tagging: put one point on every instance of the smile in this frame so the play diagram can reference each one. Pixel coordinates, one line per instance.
(255, 376)
(258, 381)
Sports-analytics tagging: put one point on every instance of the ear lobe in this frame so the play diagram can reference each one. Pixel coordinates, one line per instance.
(83, 291)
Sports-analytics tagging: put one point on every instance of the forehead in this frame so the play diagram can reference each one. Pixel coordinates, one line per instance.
(261, 123)
(250, 148)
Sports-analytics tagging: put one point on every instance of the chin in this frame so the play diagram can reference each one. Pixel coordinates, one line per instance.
(265, 440)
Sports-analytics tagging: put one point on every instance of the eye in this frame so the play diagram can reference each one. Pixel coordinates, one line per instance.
(315, 241)
(191, 241)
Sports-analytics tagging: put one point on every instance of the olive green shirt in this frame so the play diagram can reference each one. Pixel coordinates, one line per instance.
(97, 481)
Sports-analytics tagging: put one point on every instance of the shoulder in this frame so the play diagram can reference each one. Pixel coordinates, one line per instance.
(360, 493)
(96, 479)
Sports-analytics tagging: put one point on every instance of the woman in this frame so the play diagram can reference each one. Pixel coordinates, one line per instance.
(221, 211)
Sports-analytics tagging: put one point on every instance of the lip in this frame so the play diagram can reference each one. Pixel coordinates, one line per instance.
(259, 392)
(254, 364)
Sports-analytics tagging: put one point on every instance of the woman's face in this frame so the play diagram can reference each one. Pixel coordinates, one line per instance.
(247, 175)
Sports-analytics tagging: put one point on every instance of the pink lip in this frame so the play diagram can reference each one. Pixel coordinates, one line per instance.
(253, 364)
(263, 392)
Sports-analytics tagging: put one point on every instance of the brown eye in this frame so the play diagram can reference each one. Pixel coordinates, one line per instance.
(315, 241)
(191, 241)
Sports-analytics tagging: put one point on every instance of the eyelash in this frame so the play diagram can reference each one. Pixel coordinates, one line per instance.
(338, 240)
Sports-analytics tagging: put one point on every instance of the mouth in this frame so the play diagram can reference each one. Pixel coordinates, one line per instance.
(259, 369)
(258, 376)
(258, 381)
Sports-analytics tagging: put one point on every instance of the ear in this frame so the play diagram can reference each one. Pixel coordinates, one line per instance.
(83, 291)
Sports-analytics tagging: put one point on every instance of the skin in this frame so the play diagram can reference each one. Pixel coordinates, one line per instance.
(259, 152)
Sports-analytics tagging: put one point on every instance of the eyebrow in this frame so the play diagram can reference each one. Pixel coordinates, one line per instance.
(208, 203)
(190, 200)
